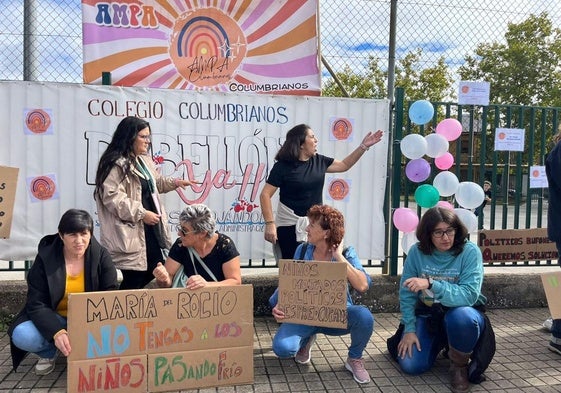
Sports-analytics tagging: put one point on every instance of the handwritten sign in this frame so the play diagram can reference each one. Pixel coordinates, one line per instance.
(313, 292)
(552, 287)
(8, 184)
(512, 245)
(160, 340)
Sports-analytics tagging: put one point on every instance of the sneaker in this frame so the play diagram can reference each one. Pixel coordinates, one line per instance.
(45, 366)
(554, 347)
(356, 366)
(548, 324)
(304, 354)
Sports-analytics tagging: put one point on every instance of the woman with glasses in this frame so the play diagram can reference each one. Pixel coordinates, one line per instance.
(440, 298)
(201, 256)
(131, 215)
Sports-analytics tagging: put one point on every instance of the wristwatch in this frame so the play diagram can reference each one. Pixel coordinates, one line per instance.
(431, 281)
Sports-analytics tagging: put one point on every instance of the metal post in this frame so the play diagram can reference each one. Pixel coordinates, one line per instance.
(30, 47)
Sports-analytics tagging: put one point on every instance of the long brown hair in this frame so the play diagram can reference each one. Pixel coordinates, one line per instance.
(430, 220)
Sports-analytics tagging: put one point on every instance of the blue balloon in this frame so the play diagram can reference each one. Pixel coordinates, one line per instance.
(421, 112)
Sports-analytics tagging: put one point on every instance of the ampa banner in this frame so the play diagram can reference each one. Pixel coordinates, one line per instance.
(261, 46)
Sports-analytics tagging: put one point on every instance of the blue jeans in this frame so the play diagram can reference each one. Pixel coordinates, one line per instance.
(463, 327)
(290, 337)
(556, 328)
(26, 336)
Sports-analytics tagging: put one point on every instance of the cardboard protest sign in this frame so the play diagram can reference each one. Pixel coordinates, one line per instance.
(552, 287)
(8, 184)
(160, 339)
(313, 292)
(511, 245)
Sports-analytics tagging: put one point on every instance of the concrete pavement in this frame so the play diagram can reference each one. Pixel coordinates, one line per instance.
(522, 363)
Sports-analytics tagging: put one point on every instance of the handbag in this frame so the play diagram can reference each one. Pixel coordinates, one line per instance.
(180, 278)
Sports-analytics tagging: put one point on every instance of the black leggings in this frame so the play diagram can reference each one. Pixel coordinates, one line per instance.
(138, 279)
(286, 236)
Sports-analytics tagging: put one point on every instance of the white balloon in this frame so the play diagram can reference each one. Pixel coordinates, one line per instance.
(469, 195)
(467, 218)
(413, 146)
(437, 145)
(446, 183)
(408, 240)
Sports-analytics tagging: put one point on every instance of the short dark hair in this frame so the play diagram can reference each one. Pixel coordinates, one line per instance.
(75, 221)
(430, 220)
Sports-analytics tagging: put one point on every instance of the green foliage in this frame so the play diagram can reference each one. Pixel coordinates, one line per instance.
(524, 70)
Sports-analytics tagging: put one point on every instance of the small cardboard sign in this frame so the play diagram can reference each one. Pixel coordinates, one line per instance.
(552, 287)
(513, 245)
(149, 340)
(8, 185)
(313, 292)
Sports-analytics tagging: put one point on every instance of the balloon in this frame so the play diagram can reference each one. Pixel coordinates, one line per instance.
(417, 170)
(467, 218)
(450, 129)
(444, 161)
(421, 112)
(413, 146)
(445, 205)
(469, 195)
(426, 196)
(446, 183)
(408, 240)
(405, 219)
(437, 145)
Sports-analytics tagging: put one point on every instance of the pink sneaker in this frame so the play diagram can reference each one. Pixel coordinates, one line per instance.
(356, 366)
(304, 354)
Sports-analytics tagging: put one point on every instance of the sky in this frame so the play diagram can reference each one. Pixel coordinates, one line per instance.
(350, 31)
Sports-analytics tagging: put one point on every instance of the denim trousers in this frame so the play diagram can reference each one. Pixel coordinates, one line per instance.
(26, 336)
(290, 337)
(463, 326)
(556, 327)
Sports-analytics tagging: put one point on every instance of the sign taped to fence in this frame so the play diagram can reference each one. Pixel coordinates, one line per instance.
(552, 286)
(513, 245)
(313, 292)
(160, 340)
(8, 184)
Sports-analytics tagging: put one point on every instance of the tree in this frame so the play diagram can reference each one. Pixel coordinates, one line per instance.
(431, 83)
(525, 69)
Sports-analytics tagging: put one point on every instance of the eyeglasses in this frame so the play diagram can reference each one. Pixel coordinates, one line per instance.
(440, 233)
(180, 229)
(145, 137)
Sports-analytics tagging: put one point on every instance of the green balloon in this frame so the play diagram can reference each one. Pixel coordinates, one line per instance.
(427, 196)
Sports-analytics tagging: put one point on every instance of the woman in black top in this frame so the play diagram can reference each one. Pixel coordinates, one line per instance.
(201, 256)
(299, 173)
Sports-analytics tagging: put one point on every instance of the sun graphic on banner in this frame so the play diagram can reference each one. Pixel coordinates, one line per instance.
(207, 50)
(238, 46)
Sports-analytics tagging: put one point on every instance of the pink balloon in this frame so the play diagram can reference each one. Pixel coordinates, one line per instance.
(445, 161)
(405, 219)
(417, 170)
(450, 129)
(445, 205)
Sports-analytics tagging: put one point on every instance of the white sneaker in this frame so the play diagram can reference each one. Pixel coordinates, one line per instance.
(45, 366)
(548, 324)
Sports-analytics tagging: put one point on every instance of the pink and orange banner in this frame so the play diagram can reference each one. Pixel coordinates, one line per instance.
(260, 46)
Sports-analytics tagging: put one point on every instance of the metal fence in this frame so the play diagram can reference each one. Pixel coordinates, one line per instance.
(41, 40)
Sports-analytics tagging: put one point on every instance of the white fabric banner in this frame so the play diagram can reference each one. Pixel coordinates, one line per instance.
(56, 133)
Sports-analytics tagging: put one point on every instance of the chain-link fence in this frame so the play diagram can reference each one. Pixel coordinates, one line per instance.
(41, 40)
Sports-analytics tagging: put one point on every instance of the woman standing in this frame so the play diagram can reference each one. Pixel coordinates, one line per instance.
(70, 261)
(299, 173)
(325, 243)
(201, 256)
(127, 193)
(440, 298)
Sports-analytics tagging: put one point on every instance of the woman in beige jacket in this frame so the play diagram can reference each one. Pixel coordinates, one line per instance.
(127, 193)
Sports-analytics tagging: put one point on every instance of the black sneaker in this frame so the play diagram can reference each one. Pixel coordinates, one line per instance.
(554, 347)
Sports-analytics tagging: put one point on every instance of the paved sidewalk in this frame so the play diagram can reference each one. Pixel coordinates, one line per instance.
(522, 363)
